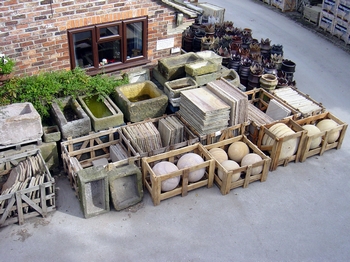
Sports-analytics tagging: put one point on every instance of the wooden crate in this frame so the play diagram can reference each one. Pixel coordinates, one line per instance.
(260, 98)
(35, 197)
(216, 136)
(79, 153)
(298, 100)
(153, 182)
(324, 146)
(284, 5)
(225, 185)
(189, 137)
(274, 151)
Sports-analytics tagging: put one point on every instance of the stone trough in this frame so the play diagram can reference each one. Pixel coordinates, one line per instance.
(139, 101)
(70, 117)
(19, 122)
(174, 67)
(103, 113)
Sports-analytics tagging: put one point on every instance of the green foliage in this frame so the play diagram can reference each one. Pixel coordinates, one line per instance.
(42, 89)
(6, 64)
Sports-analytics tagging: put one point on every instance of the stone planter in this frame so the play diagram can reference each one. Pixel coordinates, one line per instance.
(173, 88)
(174, 67)
(103, 113)
(268, 82)
(139, 101)
(70, 117)
(233, 77)
(201, 68)
(20, 123)
(51, 134)
(210, 56)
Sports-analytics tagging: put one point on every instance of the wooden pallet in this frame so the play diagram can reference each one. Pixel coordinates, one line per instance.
(225, 185)
(284, 5)
(35, 196)
(324, 146)
(18, 146)
(79, 153)
(153, 182)
(274, 150)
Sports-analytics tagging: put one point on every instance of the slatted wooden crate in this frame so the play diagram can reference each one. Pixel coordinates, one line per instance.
(225, 185)
(79, 153)
(284, 5)
(274, 150)
(299, 101)
(153, 182)
(260, 98)
(189, 137)
(34, 196)
(216, 136)
(324, 145)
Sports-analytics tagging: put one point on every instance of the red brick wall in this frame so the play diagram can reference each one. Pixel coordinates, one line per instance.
(36, 36)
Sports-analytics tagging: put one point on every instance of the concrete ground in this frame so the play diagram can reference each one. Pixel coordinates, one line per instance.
(301, 213)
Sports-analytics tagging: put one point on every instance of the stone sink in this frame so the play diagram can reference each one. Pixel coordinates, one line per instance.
(174, 67)
(103, 113)
(70, 117)
(201, 68)
(139, 101)
(19, 123)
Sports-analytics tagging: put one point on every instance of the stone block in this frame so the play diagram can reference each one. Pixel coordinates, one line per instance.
(201, 68)
(103, 113)
(19, 122)
(174, 67)
(173, 88)
(125, 184)
(93, 191)
(70, 117)
(139, 101)
(51, 134)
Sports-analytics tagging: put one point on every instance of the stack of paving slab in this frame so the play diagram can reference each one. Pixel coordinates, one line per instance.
(204, 111)
(234, 97)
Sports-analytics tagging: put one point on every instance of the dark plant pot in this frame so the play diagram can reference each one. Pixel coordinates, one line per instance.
(288, 66)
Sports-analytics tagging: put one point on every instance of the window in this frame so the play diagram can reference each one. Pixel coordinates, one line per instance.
(111, 46)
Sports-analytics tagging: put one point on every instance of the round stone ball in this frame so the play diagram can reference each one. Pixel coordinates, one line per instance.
(250, 159)
(230, 165)
(326, 125)
(164, 168)
(218, 154)
(313, 130)
(190, 160)
(237, 150)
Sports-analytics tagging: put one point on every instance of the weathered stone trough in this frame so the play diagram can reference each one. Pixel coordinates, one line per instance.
(174, 67)
(70, 117)
(139, 101)
(103, 113)
(233, 77)
(210, 56)
(201, 68)
(19, 122)
(173, 89)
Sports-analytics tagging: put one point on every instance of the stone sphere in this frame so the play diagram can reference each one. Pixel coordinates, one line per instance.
(250, 159)
(190, 160)
(164, 168)
(313, 130)
(326, 125)
(219, 154)
(237, 150)
(230, 165)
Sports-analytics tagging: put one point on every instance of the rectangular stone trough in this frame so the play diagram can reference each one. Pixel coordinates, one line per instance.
(103, 113)
(70, 117)
(174, 67)
(201, 68)
(94, 191)
(173, 88)
(125, 185)
(139, 101)
(210, 56)
(19, 123)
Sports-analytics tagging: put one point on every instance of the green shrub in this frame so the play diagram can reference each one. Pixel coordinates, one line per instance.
(42, 89)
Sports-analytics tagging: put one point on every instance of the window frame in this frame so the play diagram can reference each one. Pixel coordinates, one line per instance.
(122, 36)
